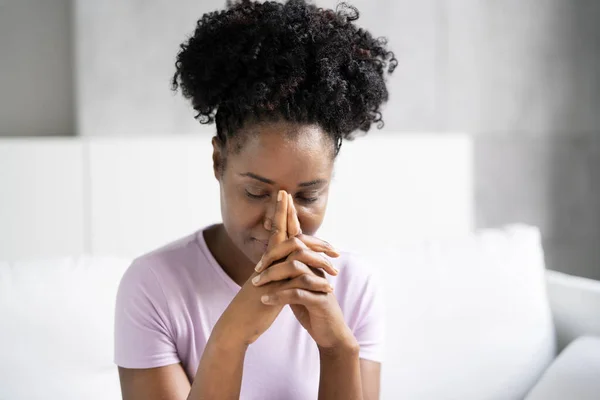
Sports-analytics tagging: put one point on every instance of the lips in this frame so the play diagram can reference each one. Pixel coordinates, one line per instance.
(263, 243)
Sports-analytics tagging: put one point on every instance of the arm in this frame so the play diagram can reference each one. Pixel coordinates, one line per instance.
(340, 373)
(370, 376)
(345, 376)
(219, 374)
(166, 383)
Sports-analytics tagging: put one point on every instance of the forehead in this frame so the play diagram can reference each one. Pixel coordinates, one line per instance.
(283, 149)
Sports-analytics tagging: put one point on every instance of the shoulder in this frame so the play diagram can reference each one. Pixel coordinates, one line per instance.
(358, 275)
(354, 267)
(358, 291)
(161, 265)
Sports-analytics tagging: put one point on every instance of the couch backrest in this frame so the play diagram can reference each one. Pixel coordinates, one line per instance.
(467, 318)
(126, 196)
(56, 337)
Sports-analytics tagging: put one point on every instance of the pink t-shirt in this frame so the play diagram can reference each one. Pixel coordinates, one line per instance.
(170, 299)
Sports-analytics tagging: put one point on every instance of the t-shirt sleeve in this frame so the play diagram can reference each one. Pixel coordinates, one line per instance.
(143, 332)
(367, 319)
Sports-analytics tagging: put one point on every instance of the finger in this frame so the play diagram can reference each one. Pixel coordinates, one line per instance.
(307, 282)
(295, 249)
(285, 270)
(293, 222)
(279, 223)
(317, 244)
(278, 252)
(297, 243)
(313, 260)
(295, 296)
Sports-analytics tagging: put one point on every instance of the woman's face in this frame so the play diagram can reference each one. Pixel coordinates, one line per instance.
(273, 156)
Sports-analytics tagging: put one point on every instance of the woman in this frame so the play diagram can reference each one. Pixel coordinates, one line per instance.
(205, 317)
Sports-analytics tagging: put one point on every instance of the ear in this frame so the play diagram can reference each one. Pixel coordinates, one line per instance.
(218, 157)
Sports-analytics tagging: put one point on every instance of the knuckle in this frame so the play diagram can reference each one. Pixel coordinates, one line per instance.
(297, 265)
(298, 244)
(296, 294)
(303, 252)
(266, 258)
(265, 274)
(327, 244)
(306, 279)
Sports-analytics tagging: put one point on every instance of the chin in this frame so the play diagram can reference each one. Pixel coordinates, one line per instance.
(255, 249)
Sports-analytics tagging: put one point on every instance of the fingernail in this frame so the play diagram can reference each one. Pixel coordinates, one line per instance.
(266, 299)
(330, 288)
(280, 195)
(258, 266)
(291, 201)
(256, 279)
(268, 224)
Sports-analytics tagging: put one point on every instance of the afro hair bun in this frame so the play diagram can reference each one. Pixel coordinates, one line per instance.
(291, 60)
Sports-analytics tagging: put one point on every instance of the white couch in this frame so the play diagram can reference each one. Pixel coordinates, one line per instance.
(469, 317)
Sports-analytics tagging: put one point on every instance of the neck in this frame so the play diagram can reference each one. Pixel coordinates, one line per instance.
(230, 258)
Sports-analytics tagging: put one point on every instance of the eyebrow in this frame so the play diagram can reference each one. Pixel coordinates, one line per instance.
(270, 182)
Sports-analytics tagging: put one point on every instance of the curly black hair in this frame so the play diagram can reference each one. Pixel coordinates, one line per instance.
(293, 60)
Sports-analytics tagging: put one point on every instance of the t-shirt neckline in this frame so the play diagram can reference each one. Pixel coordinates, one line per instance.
(213, 262)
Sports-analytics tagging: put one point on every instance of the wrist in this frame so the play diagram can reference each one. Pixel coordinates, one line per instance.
(346, 347)
(226, 340)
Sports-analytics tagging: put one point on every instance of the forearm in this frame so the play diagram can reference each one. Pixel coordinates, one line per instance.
(340, 373)
(219, 375)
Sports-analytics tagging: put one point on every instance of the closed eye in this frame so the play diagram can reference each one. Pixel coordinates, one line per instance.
(307, 199)
(256, 196)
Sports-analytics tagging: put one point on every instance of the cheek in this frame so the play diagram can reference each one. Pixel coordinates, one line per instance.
(237, 213)
(311, 218)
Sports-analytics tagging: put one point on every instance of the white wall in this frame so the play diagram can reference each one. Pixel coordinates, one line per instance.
(36, 85)
(126, 196)
(42, 198)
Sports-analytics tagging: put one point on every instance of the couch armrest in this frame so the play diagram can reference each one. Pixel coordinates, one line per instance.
(575, 374)
(575, 304)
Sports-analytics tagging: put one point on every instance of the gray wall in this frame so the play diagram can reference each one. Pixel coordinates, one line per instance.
(36, 76)
(125, 54)
(522, 76)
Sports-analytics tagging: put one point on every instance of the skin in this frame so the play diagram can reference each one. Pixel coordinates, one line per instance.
(274, 186)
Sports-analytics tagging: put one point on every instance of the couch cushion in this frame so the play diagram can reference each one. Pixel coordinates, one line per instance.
(467, 318)
(575, 374)
(56, 340)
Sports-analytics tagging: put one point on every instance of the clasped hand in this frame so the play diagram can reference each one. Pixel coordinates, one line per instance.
(290, 272)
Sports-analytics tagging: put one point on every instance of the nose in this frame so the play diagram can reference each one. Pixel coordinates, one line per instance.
(269, 214)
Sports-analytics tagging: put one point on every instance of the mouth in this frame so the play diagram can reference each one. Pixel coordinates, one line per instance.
(262, 243)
